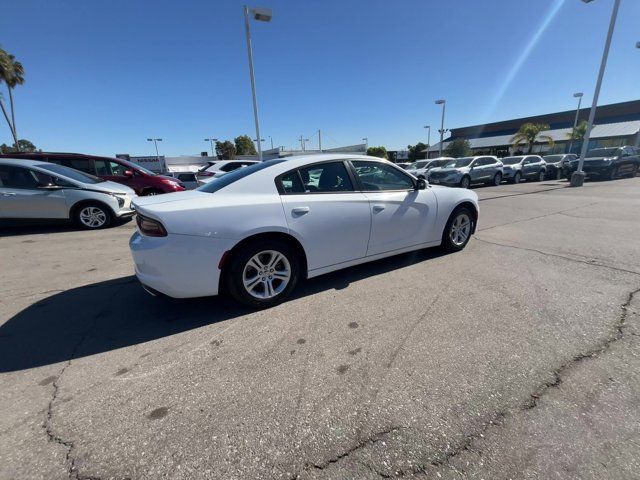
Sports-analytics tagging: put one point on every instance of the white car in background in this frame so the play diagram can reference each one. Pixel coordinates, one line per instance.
(32, 189)
(421, 168)
(218, 168)
(258, 230)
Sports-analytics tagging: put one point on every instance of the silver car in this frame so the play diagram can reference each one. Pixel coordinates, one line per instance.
(524, 167)
(31, 189)
(465, 171)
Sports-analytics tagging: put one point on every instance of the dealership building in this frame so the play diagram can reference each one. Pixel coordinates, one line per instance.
(614, 125)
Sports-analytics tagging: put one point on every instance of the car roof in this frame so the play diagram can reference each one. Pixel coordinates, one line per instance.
(59, 154)
(23, 162)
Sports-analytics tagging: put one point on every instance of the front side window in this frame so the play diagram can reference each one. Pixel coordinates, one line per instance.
(18, 177)
(459, 162)
(379, 176)
(117, 169)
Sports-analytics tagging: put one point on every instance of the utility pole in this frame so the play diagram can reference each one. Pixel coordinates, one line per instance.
(320, 140)
(302, 142)
(575, 121)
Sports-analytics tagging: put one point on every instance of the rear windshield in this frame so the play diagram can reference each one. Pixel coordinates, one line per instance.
(76, 175)
(221, 182)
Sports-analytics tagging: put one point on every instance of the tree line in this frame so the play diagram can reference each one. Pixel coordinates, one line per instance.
(12, 75)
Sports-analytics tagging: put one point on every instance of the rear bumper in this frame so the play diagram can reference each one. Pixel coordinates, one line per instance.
(179, 266)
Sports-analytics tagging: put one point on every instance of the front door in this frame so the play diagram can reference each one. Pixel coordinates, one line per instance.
(22, 195)
(324, 211)
(401, 215)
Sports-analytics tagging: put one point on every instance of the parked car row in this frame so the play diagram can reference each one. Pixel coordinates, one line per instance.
(607, 163)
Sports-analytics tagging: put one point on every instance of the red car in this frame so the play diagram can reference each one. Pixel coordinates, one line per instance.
(143, 181)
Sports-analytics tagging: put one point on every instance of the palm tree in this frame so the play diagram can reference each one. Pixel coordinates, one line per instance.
(529, 134)
(12, 73)
(578, 132)
(5, 76)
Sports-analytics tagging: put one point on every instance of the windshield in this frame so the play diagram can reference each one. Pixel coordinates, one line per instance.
(511, 160)
(459, 162)
(135, 166)
(76, 175)
(417, 165)
(552, 158)
(603, 152)
(231, 177)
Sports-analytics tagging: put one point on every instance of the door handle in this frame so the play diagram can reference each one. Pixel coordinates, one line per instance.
(7, 194)
(378, 208)
(300, 210)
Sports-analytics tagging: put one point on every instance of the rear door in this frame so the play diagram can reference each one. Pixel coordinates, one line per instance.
(326, 213)
(22, 195)
(401, 216)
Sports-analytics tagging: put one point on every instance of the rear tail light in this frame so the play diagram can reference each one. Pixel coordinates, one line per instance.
(150, 227)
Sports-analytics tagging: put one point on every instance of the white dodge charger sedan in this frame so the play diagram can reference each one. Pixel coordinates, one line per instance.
(257, 230)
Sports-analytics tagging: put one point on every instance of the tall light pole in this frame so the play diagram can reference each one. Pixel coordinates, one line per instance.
(443, 103)
(211, 140)
(575, 122)
(428, 138)
(262, 15)
(155, 142)
(302, 142)
(271, 140)
(366, 144)
(320, 140)
(577, 179)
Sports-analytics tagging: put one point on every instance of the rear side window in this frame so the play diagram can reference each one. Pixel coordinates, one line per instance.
(83, 164)
(327, 177)
(102, 167)
(18, 177)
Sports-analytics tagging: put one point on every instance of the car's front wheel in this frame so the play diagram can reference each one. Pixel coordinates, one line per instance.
(262, 274)
(541, 175)
(93, 216)
(465, 182)
(516, 178)
(458, 230)
(497, 179)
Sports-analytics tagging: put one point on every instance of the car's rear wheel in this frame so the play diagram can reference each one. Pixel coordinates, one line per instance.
(497, 179)
(93, 216)
(516, 177)
(262, 274)
(541, 176)
(458, 230)
(465, 182)
(613, 174)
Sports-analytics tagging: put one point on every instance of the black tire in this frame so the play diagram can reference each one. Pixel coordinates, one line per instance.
(540, 177)
(497, 180)
(613, 174)
(240, 263)
(448, 243)
(634, 171)
(465, 182)
(517, 177)
(93, 216)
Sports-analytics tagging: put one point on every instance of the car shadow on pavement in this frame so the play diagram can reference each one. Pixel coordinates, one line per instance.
(15, 228)
(118, 313)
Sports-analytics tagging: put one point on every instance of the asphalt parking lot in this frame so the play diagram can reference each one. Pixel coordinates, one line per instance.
(515, 358)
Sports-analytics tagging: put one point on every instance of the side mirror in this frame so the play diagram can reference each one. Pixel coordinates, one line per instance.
(421, 184)
(128, 173)
(49, 186)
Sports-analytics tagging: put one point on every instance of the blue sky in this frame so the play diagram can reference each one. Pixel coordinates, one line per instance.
(104, 76)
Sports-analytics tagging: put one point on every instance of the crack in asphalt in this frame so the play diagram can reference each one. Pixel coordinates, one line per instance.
(372, 439)
(497, 419)
(52, 436)
(592, 262)
(559, 187)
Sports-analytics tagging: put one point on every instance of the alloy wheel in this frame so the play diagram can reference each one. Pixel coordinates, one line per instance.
(464, 183)
(266, 274)
(93, 217)
(460, 229)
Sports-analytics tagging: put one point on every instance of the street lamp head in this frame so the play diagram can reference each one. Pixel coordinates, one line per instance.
(440, 102)
(427, 126)
(149, 139)
(577, 95)
(261, 14)
(637, 44)
(587, 1)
